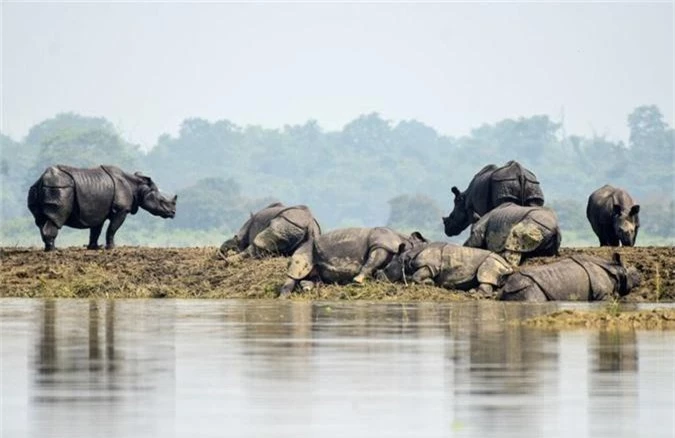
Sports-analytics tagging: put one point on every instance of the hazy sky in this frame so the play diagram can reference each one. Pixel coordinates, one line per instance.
(148, 66)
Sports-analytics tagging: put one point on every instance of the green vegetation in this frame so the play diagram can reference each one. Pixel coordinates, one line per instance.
(372, 172)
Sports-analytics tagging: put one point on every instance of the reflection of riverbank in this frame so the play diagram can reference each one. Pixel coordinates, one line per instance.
(197, 272)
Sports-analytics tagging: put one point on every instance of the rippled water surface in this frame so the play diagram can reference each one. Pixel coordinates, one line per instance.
(161, 368)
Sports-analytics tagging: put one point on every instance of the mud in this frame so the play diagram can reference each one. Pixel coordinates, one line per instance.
(138, 272)
(610, 318)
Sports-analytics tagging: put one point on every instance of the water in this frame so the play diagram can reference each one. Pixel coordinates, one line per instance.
(162, 368)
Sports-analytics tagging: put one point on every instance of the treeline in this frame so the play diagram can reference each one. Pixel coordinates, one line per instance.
(372, 172)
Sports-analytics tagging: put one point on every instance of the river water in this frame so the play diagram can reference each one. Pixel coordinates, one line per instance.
(193, 368)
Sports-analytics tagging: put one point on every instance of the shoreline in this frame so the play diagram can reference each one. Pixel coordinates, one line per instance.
(198, 272)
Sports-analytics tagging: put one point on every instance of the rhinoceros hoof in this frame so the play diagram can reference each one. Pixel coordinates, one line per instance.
(93, 247)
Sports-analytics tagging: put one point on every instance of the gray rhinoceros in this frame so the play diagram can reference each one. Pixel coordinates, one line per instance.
(613, 216)
(345, 255)
(86, 198)
(450, 266)
(490, 187)
(516, 232)
(276, 229)
(576, 278)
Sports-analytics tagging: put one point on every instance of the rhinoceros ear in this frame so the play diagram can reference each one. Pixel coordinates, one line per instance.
(475, 218)
(175, 198)
(617, 259)
(455, 191)
(401, 248)
(418, 236)
(634, 210)
(616, 209)
(146, 179)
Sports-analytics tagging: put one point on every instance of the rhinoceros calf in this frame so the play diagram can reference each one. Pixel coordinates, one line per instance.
(450, 266)
(345, 255)
(576, 278)
(86, 198)
(490, 187)
(516, 232)
(613, 216)
(276, 230)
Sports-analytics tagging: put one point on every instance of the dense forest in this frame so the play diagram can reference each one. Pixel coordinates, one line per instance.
(372, 172)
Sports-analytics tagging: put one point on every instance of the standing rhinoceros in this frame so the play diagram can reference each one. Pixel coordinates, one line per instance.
(489, 188)
(86, 198)
(613, 216)
(516, 232)
(276, 229)
(345, 255)
(450, 266)
(576, 278)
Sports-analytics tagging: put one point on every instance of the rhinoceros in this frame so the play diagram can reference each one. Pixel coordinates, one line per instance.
(276, 229)
(86, 198)
(575, 278)
(516, 232)
(490, 187)
(345, 255)
(450, 266)
(613, 216)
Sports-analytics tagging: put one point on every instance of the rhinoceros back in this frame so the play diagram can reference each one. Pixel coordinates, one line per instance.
(519, 228)
(94, 196)
(559, 281)
(460, 265)
(513, 183)
(340, 254)
(262, 219)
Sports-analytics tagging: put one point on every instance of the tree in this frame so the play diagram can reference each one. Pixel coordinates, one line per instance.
(416, 212)
(71, 122)
(214, 203)
(89, 148)
(652, 150)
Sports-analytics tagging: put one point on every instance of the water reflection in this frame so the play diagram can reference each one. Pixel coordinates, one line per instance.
(201, 368)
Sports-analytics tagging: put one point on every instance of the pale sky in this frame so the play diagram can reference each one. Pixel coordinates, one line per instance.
(147, 66)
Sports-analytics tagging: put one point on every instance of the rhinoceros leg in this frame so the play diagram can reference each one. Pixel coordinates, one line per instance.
(377, 259)
(115, 223)
(287, 288)
(94, 233)
(48, 232)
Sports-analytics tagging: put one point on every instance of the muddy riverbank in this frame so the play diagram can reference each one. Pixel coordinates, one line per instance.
(138, 272)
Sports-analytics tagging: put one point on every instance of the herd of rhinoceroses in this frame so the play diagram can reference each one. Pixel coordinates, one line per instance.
(504, 206)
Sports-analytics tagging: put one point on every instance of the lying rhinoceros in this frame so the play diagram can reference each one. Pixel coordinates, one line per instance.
(450, 266)
(516, 232)
(490, 187)
(276, 229)
(345, 255)
(613, 216)
(85, 198)
(576, 278)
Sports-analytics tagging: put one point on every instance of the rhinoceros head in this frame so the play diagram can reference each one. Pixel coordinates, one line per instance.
(460, 217)
(152, 200)
(399, 265)
(628, 277)
(626, 224)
